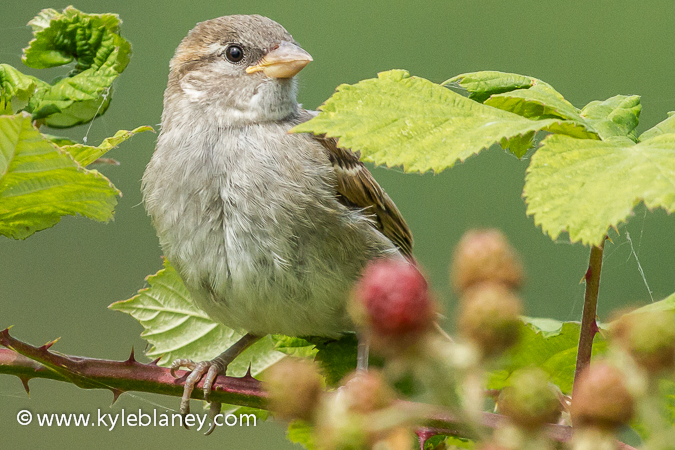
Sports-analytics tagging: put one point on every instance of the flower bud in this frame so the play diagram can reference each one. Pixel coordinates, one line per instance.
(294, 387)
(601, 398)
(649, 337)
(392, 302)
(485, 256)
(529, 401)
(489, 316)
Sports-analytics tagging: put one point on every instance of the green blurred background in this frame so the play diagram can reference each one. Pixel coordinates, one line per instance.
(59, 282)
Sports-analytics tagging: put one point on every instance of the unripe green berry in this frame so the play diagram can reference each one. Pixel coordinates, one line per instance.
(649, 337)
(490, 317)
(485, 256)
(529, 401)
(294, 386)
(601, 398)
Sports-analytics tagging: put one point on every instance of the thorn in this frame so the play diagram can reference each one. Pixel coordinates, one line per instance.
(594, 327)
(48, 345)
(116, 395)
(131, 359)
(154, 362)
(24, 381)
(424, 434)
(609, 238)
(5, 332)
(248, 372)
(587, 275)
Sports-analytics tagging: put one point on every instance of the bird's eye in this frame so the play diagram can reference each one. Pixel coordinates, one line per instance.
(234, 53)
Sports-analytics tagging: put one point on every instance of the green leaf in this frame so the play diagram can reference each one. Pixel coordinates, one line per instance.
(397, 119)
(665, 127)
(616, 116)
(481, 85)
(93, 41)
(86, 154)
(301, 432)
(337, 357)
(535, 99)
(540, 101)
(177, 329)
(585, 186)
(16, 89)
(294, 346)
(39, 183)
(548, 344)
(89, 39)
(443, 442)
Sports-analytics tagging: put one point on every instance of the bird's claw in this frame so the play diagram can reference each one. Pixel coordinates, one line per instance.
(208, 370)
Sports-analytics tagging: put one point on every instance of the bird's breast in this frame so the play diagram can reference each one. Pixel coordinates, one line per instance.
(248, 217)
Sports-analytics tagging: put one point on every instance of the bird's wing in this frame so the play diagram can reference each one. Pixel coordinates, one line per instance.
(356, 187)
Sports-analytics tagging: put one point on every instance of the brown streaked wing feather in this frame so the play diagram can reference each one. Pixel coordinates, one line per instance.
(357, 188)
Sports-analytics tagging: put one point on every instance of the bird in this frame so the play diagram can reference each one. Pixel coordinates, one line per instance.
(269, 230)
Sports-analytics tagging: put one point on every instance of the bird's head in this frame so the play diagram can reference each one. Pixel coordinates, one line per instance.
(238, 69)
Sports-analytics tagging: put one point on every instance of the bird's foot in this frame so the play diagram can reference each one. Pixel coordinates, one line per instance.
(207, 370)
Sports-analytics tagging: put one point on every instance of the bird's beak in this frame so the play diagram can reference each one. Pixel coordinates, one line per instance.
(283, 62)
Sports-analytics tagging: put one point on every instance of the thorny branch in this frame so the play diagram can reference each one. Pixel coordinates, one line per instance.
(28, 362)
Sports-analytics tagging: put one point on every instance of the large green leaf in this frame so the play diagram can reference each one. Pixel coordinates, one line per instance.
(177, 329)
(101, 54)
(87, 154)
(585, 186)
(39, 183)
(397, 119)
(548, 344)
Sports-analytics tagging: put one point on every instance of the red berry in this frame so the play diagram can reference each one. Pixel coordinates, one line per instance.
(392, 299)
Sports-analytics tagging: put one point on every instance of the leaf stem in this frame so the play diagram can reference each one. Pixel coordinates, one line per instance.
(588, 324)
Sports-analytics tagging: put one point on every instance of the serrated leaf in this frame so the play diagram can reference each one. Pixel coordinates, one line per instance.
(39, 183)
(584, 186)
(665, 127)
(401, 120)
(93, 41)
(16, 89)
(177, 329)
(553, 348)
(86, 154)
(616, 116)
(481, 85)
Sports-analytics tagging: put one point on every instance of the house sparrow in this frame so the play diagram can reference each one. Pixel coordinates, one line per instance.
(268, 230)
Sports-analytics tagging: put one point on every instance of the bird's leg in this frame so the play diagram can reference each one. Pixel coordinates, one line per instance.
(362, 351)
(209, 370)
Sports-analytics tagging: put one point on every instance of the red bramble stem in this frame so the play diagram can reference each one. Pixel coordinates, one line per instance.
(589, 326)
(27, 362)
